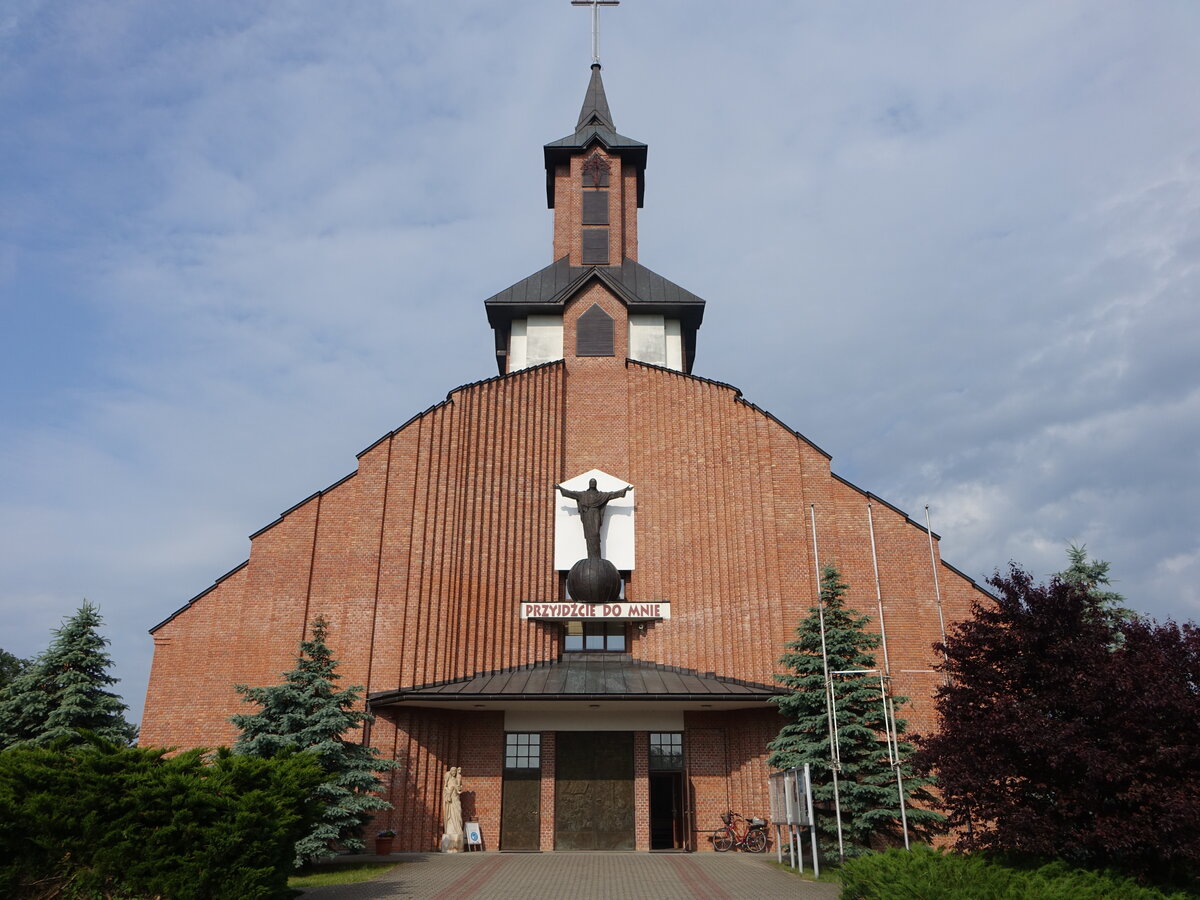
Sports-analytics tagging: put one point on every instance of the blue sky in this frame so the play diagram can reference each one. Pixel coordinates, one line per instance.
(956, 245)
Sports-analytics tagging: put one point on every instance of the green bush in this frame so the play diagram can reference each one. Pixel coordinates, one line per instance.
(926, 874)
(104, 820)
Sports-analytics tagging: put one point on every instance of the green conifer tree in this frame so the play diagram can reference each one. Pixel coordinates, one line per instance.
(867, 790)
(1092, 576)
(10, 667)
(307, 713)
(65, 691)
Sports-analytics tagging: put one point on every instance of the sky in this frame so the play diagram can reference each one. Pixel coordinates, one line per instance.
(956, 245)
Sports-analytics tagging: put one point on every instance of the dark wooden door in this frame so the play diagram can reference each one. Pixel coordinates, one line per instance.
(593, 790)
(520, 810)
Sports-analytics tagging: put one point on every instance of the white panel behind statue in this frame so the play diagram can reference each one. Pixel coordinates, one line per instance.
(616, 534)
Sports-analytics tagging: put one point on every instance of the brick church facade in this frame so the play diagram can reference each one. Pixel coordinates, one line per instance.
(440, 564)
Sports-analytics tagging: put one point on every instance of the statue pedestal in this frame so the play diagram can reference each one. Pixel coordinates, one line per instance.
(594, 580)
(452, 843)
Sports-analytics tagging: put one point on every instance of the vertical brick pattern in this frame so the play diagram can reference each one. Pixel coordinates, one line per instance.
(726, 766)
(707, 766)
(418, 561)
(641, 790)
(596, 410)
(427, 743)
(420, 558)
(724, 534)
(549, 768)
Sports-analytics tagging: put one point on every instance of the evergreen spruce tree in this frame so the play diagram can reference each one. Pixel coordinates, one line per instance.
(307, 713)
(866, 782)
(1091, 575)
(65, 691)
(10, 667)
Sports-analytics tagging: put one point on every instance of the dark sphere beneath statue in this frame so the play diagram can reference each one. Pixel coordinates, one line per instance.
(594, 581)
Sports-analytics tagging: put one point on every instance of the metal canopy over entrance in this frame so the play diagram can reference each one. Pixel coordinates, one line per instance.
(598, 677)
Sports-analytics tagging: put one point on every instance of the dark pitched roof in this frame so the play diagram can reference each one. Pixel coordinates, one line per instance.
(587, 676)
(631, 281)
(595, 125)
(595, 104)
(586, 136)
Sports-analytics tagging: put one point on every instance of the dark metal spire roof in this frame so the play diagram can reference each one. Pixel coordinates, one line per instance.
(595, 104)
(595, 126)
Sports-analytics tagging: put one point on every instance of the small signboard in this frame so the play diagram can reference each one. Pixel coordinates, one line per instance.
(789, 803)
(473, 835)
(571, 610)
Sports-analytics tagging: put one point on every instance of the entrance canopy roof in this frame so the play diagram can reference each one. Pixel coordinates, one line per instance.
(586, 677)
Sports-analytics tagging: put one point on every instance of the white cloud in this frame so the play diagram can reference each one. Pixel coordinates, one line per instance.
(955, 246)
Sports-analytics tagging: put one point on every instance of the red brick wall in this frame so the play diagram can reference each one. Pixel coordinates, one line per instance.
(726, 759)
(427, 743)
(622, 208)
(420, 558)
(549, 768)
(641, 790)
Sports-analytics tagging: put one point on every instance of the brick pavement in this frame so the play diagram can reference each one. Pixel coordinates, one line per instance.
(580, 876)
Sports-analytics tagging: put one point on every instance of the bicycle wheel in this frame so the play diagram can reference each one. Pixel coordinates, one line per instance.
(756, 841)
(722, 840)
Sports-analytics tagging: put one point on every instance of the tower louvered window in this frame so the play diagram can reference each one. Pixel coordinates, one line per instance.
(595, 207)
(594, 333)
(595, 246)
(594, 218)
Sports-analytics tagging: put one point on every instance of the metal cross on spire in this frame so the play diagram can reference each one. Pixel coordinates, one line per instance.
(595, 5)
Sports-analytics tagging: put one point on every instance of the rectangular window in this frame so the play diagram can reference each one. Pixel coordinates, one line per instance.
(666, 752)
(523, 751)
(595, 246)
(598, 636)
(595, 207)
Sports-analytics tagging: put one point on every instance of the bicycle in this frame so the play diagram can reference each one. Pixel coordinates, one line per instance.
(740, 832)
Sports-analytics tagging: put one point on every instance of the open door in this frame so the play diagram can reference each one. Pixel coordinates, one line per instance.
(668, 784)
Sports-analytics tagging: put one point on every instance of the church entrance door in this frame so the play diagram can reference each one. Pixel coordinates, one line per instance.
(593, 791)
(520, 822)
(666, 811)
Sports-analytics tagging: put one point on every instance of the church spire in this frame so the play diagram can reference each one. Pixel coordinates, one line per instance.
(595, 104)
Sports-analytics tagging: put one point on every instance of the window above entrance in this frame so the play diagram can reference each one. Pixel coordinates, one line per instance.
(523, 750)
(666, 751)
(604, 635)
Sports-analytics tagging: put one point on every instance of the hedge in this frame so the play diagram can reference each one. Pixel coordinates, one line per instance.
(927, 874)
(108, 821)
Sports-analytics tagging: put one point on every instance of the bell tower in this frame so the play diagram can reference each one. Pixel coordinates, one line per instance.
(595, 183)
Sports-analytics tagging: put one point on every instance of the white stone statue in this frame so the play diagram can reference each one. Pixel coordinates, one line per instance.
(452, 838)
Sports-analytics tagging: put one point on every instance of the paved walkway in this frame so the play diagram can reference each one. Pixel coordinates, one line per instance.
(580, 876)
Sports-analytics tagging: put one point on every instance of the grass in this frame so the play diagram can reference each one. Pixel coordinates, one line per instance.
(829, 874)
(341, 873)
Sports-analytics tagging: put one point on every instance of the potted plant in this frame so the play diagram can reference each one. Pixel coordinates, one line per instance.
(383, 842)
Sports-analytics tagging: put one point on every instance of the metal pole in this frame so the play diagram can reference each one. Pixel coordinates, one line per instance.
(893, 735)
(887, 667)
(937, 590)
(885, 677)
(835, 763)
(812, 822)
